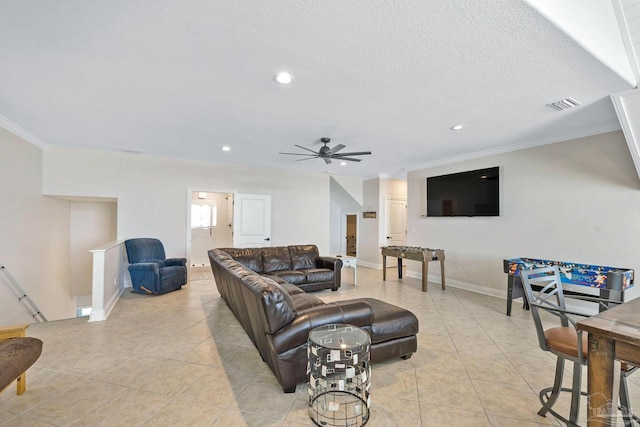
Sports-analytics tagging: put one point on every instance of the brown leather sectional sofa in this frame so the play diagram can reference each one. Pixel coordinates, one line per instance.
(300, 265)
(278, 317)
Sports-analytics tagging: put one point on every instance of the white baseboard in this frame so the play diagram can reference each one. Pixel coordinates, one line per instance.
(370, 265)
(472, 287)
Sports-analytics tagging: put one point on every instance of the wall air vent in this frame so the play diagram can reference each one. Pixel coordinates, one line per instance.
(564, 104)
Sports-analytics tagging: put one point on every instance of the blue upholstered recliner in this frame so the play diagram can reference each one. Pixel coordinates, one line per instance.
(151, 272)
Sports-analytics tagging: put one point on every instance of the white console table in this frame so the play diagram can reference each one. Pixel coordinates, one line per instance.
(350, 261)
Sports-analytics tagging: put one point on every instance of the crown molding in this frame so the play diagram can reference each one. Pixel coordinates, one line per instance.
(581, 133)
(18, 130)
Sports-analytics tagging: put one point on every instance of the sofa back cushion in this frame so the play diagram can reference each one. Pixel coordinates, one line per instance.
(273, 308)
(303, 256)
(260, 304)
(276, 259)
(249, 257)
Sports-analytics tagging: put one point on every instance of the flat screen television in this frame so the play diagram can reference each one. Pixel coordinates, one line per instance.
(472, 193)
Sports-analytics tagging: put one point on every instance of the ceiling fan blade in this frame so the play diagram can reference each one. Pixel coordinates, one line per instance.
(305, 148)
(298, 154)
(357, 153)
(348, 158)
(308, 158)
(337, 148)
(327, 160)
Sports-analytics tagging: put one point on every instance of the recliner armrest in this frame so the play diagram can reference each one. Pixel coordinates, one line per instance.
(145, 266)
(171, 262)
(296, 333)
(329, 262)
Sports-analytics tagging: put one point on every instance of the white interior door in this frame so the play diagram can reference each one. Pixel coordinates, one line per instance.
(251, 220)
(395, 221)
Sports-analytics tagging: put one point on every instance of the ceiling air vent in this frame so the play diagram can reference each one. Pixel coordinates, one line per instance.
(564, 104)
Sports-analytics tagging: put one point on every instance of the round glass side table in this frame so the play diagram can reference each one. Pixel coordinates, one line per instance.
(339, 375)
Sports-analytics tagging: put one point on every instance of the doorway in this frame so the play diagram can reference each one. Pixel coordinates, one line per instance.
(211, 226)
(352, 235)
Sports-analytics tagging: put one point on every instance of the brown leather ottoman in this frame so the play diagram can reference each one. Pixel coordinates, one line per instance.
(16, 356)
(393, 331)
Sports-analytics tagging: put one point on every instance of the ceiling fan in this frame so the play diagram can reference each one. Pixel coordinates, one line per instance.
(327, 153)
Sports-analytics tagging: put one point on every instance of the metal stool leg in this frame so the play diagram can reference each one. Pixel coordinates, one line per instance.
(575, 393)
(555, 390)
(625, 404)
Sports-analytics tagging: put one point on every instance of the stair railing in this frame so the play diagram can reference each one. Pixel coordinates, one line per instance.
(21, 294)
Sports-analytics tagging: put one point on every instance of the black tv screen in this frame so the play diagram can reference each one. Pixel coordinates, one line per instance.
(472, 193)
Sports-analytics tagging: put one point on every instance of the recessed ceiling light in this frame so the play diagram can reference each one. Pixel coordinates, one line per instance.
(226, 148)
(343, 163)
(457, 127)
(283, 78)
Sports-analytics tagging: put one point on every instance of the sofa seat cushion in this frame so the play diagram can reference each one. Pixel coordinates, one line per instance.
(318, 275)
(292, 276)
(303, 301)
(390, 321)
(291, 289)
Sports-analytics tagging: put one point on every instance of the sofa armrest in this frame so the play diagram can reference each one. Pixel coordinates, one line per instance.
(171, 262)
(296, 333)
(329, 262)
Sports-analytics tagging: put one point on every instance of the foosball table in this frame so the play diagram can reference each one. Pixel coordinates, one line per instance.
(424, 255)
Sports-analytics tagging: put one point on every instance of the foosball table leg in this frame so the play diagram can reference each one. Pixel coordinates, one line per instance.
(425, 275)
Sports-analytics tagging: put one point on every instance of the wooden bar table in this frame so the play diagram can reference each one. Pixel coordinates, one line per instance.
(424, 255)
(613, 334)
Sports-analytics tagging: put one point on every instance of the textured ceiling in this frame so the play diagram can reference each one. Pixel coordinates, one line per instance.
(183, 78)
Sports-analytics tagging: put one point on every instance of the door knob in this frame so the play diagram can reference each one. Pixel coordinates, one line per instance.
(267, 239)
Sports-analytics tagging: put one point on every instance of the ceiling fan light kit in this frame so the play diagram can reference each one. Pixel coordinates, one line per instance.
(327, 153)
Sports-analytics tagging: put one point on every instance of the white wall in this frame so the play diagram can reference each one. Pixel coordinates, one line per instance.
(577, 201)
(372, 230)
(352, 185)
(335, 220)
(368, 234)
(152, 193)
(92, 224)
(34, 235)
(346, 198)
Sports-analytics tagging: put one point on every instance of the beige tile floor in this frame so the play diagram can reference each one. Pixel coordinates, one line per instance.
(181, 359)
